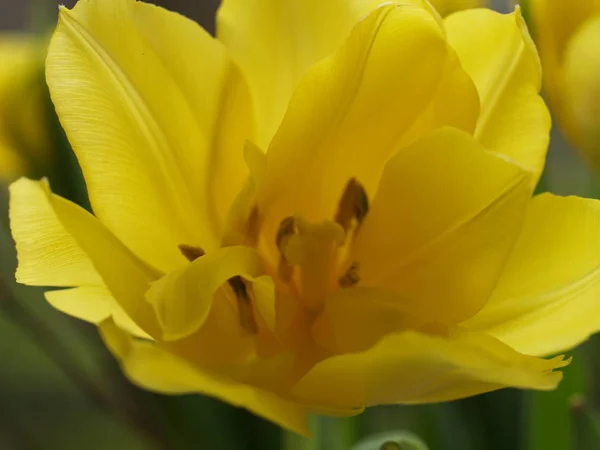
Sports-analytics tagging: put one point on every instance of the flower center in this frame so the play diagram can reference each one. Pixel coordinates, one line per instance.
(314, 258)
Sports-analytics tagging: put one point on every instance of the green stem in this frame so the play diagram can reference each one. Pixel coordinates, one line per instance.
(327, 433)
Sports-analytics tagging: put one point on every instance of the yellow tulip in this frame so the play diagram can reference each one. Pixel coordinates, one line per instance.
(568, 37)
(23, 128)
(383, 248)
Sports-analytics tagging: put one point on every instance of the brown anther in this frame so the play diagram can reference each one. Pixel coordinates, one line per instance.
(247, 319)
(253, 225)
(287, 228)
(354, 204)
(190, 252)
(351, 277)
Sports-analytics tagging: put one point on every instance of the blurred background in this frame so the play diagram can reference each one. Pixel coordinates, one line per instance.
(60, 389)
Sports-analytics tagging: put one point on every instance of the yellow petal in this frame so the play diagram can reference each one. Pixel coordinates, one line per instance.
(183, 298)
(275, 42)
(581, 89)
(442, 224)
(350, 112)
(547, 298)
(90, 303)
(455, 103)
(222, 325)
(446, 7)
(499, 55)
(126, 277)
(47, 254)
(147, 121)
(355, 319)
(417, 368)
(151, 367)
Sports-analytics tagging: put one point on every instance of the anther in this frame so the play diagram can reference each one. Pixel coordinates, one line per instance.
(247, 319)
(354, 204)
(190, 252)
(253, 225)
(351, 277)
(287, 228)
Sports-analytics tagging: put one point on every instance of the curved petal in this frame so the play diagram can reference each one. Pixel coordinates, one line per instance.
(499, 55)
(49, 256)
(581, 89)
(445, 7)
(146, 116)
(350, 112)
(412, 367)
(355, 319)
(183, 298)
(442, 225)
(93, 304)
(151, 367)
(275, 42)
(547, 299)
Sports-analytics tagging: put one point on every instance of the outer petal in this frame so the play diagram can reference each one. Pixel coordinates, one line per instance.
(547, 298)
(47, 254)
(144, 115)
(60, 244)
(499, 55)
(151, 367)
(182, 299)
(275, 42)
(350, 112)
(91, 303)
(442, 225)
(417, 368)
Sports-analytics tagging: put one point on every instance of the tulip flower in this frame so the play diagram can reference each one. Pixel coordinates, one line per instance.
(568, 37)
(24, 139)
(327, 207)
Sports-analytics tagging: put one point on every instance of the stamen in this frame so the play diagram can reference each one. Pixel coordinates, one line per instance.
(190, 252)
(287, 228)
(351, 277)
(247, 319)
(354, 204)
(253, 226)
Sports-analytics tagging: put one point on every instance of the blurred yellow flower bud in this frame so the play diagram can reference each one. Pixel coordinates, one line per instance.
(568, 37)
(24, 137)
